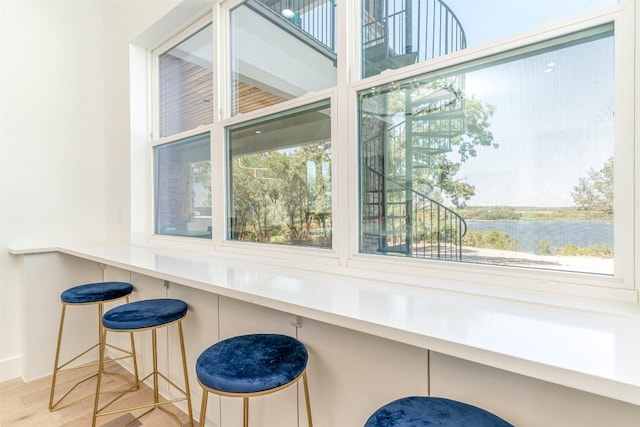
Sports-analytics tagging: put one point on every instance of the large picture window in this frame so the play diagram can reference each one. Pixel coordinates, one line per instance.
(280, 178)
(508, 162)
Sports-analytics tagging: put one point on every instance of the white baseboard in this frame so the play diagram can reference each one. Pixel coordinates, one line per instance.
(10, 368)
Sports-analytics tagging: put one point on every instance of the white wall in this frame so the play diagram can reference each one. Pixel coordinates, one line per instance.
(64, 133)
(51, 139)
(124, 21)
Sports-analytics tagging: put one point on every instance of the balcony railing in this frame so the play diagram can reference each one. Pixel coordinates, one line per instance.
(316, 18)
(399, 33)
(394, 33)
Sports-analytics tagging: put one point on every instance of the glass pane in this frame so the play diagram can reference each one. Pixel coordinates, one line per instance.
(281, 50)
(507, 163)
(396, 33)
(280, 182)
(185, 82)
(183, 188)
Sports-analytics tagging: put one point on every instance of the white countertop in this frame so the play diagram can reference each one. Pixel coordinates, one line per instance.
(597, 352)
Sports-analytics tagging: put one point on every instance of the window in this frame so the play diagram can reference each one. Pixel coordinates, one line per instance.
(185, 80)
(506, 162)
(182, 152)
(183, 188)
(400, 33)
(487, 142)
(280, 53)
(280, 178)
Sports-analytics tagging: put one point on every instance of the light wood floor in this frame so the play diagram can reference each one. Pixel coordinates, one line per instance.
(26, 405)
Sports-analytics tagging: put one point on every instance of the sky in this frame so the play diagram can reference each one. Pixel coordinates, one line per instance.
(554, 111)
(486, 20)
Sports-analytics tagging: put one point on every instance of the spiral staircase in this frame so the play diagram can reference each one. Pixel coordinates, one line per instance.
(396, 218)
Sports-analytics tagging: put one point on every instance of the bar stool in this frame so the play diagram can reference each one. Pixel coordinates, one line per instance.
(417, 411)
(84, 295)
(252, 365)
(138, 316)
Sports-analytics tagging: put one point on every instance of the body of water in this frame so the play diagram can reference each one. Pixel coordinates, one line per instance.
(558, 233)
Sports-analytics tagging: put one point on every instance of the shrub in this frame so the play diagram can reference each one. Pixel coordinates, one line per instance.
(491, 239)
(543, 247)
(603, 251)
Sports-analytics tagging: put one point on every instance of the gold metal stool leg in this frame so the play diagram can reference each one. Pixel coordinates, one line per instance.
(185, 372)
(58, 368)
(57, 359)
(203, 407)
(155, 375)
(245, 411)
(306, 398)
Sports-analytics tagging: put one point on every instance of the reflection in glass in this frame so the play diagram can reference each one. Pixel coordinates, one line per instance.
(280, 179)
(397, 33)
(183, 188)
(276, 53)
(508, 162)
(185, 84)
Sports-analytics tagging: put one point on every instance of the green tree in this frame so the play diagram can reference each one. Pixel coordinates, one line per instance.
(305, 194)
(278, 195)
(256, 196)
(595, 191)
(440, 181)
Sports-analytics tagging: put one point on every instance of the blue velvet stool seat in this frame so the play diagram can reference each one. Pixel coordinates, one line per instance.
(146, 315)
(91, 294)
(418, 411)
(252, 365)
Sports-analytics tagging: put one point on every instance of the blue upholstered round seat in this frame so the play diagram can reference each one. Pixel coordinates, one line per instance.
(419, 411)
(144, 314)
(251, 363)
(96, 292)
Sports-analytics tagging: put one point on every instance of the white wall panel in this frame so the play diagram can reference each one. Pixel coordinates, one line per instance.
(351, 374)
(524, 401)
(200, 329)
(46, 276)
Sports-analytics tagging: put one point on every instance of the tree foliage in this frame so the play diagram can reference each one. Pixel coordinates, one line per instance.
(440, 181)
(595, 191)
(283, 196)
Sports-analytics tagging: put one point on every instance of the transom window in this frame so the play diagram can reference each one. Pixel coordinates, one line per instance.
(280, 51)
(397, 33)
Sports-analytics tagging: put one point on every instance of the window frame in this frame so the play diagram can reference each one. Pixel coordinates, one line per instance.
(154, 125)
(619, 286)
(515, 282)
(324, 256)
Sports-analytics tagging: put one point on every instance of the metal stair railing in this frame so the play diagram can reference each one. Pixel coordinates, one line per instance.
(316, 18)
(399, 33)
(394, 33)
(408, 222)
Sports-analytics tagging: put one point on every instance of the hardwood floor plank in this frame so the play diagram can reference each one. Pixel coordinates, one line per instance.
(27, 404)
